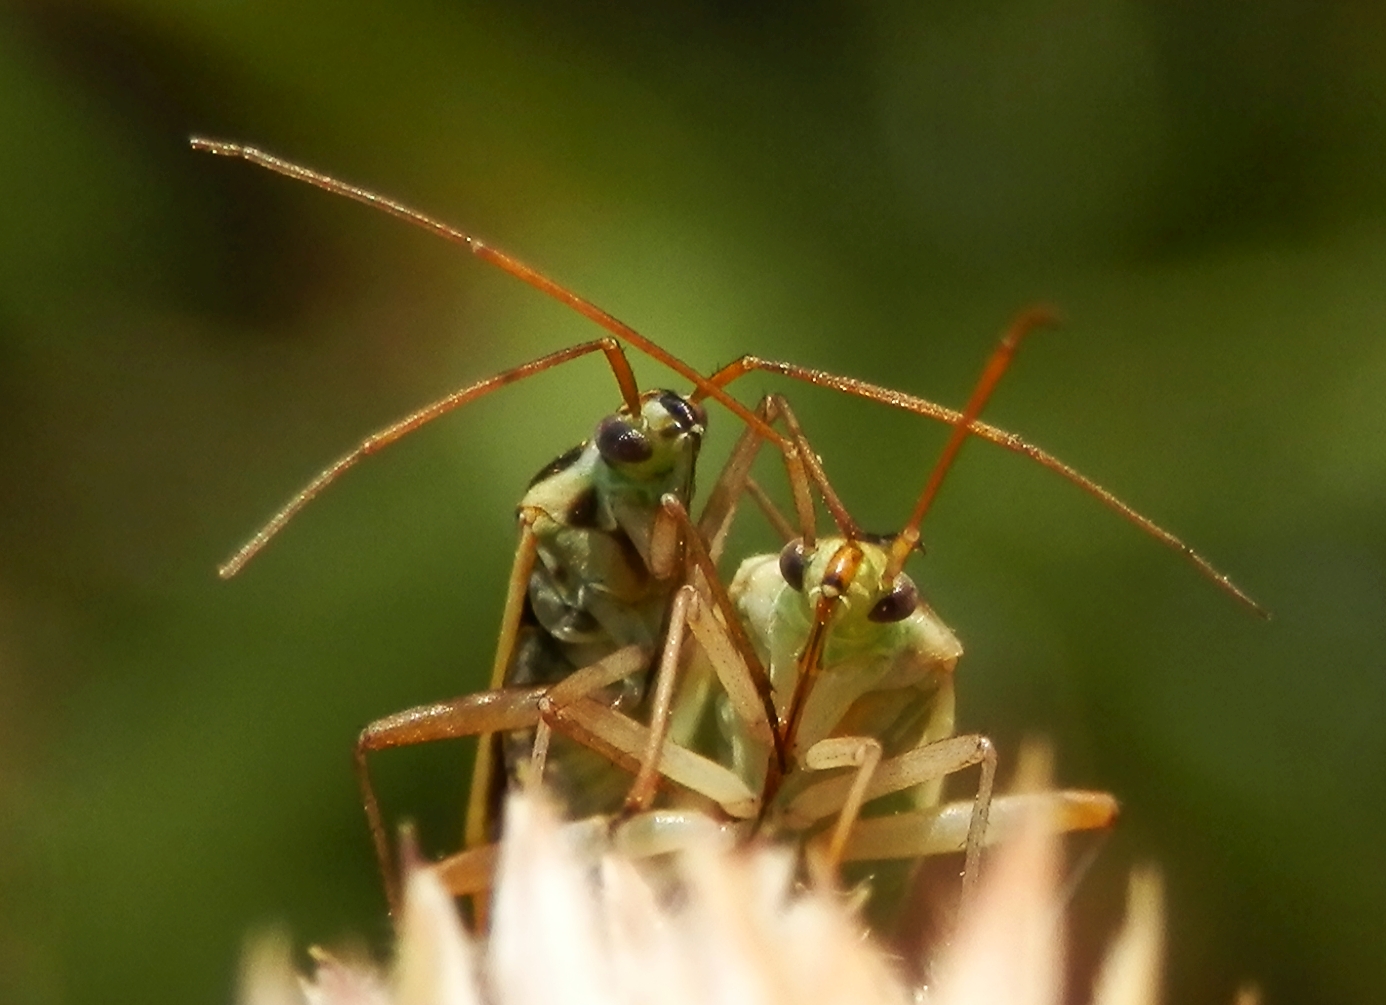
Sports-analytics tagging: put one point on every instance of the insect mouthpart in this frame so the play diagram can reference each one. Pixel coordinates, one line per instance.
(841, 570)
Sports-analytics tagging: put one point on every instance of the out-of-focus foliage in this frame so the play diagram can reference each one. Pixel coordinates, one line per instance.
(869, 188)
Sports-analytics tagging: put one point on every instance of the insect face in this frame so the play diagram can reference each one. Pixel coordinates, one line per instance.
(832, 628)
(846, 580)
(668, 430)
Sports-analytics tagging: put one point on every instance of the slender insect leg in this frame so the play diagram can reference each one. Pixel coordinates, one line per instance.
(716, 516)
(845, 524)
(690, 612)
(477, 825)
(469, 872)
(715, 519)
(658, 832)
(729, 648)
(488, 711)
(495, 711)
(733, 664)
(943, 830)
(861, 753)
(977, 829)
(771, 511)
(556, 710)
(567, 707)
(624, 741)
(904, 771)
(577, 686)
(642, 790)
(539, 753)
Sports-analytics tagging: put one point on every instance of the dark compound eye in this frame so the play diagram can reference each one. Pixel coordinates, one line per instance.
(686, 414)
(792, 562)
(897, 605)
(621, 443)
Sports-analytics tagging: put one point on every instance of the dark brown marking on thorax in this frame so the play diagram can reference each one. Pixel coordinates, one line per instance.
(559, 464)
(582, 511)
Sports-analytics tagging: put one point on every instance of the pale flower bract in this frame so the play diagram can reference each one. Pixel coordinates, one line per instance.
(741, 931)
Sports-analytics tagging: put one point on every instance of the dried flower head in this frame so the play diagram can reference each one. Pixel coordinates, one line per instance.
(568, 931)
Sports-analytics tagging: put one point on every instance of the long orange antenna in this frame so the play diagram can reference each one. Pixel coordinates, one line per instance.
(496, 257)
(1002, 438)
(996, 367)
(381, 439)
(630, 392)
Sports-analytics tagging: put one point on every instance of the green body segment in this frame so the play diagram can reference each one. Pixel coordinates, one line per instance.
(889, 681)
(592, 590)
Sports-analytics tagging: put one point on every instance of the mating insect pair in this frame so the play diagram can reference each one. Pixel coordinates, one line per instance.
(819, 681)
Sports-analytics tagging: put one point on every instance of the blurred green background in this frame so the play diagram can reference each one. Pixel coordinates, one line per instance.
(872, 188)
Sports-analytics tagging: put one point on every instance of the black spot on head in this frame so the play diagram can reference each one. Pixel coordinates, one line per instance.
(622, 443)
(686, 414)
(897, 605)
(559, 464)
(886, 540)
(792, 561)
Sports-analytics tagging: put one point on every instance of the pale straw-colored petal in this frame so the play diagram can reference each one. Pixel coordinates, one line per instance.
(267, 974)
(344, 982)
(573, 925)
(1131, 972)
(741, 961)
(1008, 949)
(1248, 994)
(644, 940)
(434, 963)
(831, 957)
(547, 942)
(763, 941)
